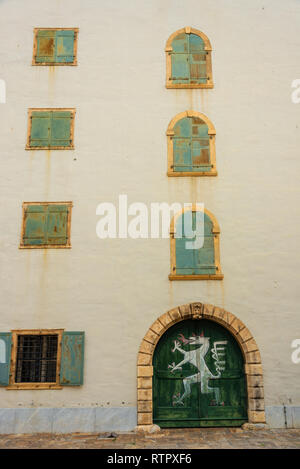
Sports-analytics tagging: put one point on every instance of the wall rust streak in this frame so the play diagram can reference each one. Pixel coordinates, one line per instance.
(51, 83)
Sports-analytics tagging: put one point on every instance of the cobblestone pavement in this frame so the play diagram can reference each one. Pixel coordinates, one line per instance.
(211, 438)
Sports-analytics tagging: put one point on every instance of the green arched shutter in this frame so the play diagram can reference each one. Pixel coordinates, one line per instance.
(191, 152)
(188, 59)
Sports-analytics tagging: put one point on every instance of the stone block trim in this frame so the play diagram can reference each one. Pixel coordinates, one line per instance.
(244, 338)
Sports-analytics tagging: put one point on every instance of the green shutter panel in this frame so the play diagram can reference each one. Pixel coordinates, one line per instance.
(5, 352)
(196, 44)
(205, 258)
(61, 129)
(200, 145)
(183, 128)
(197, 59)
(180, 59)
(195, 261)
(200, 155)
(64, 46)
(198, 73)
(180, 68)
(72, 356)
(57, 224)
(45, 46)
(180, 44)
(35, 225)
(40, 129)
(182, 160)
(185, 258)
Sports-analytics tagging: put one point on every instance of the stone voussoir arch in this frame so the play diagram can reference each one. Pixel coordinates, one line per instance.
(244, 338)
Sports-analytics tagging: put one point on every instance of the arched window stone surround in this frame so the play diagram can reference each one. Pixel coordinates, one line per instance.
(170, 83)
(244, 338)
(212, 149)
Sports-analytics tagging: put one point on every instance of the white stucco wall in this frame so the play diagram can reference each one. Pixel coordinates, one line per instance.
(115, 289)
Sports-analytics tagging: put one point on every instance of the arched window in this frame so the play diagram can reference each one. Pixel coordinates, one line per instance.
(195, 253)
(191, 145)
(188, 60)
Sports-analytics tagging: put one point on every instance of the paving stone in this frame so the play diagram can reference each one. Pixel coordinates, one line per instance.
(193, 438)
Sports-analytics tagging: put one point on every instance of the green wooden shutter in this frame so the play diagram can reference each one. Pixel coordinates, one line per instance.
(205, 257)
(191, 150)
(72, 357)
(200, 151)
(195, 261)
(55, 46)
(188, 59)
(35, 225)
(5, 352)
(182, 155)
(45, 46)
(180, 68)
(40, 129)
(57, 224)
(182, 160)
(197, 59)
(180, 59)
(61, 129)
(185, 258)
(64, 50)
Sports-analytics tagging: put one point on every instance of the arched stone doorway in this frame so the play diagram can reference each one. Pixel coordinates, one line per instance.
(252, 360)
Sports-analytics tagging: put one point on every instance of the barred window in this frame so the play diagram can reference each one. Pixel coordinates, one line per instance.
(36, 359)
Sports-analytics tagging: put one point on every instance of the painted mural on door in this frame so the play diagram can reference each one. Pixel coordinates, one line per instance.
(197, 358)
(198, 377)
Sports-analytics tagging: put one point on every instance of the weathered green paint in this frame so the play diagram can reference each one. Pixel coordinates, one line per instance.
(188, 59)
(72, 358)
(5, 352)
(46, 224)
(191, 146)
(221, 401)
(55, 46)
(199, 261)
(50, 129)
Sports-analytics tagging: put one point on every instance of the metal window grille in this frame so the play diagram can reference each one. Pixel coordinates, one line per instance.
(36, 359)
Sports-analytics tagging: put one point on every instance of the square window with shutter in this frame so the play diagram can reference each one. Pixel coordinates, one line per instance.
(51, 129)
(55, 46)
(46, 225)
(41, 359)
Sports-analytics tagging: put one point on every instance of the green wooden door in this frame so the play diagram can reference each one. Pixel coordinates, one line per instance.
(198, 378)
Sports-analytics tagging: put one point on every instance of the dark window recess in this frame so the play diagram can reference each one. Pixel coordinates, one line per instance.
(36, 359)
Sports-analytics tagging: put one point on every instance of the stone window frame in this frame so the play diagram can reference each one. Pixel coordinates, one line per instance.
(212, 147)
(216, 233)
(248, 346)
(30, 386)
(207, 48)
(55, 64)
(47, 246)
(48, 109)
